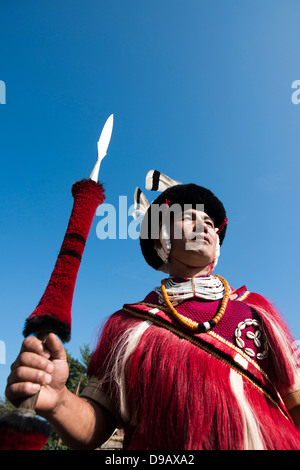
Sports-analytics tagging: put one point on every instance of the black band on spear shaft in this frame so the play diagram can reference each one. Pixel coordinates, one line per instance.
(73, 253)
(50, 324)
(77, 236)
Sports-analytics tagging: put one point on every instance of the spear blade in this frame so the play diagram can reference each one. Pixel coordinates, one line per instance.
(102, 146)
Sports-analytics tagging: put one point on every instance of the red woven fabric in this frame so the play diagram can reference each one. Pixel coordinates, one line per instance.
(11, 439)
(204, 310)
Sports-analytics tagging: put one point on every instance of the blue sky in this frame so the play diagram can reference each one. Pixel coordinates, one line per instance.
(199, 90)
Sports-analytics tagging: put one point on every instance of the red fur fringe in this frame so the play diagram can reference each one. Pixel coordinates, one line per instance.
(182, 399)
(181, 396)
(281, 371)
(177, 391)
(278, 433)
(109, 336)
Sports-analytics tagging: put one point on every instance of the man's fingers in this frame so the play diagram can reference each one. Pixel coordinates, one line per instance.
(33, 360)
(33, 344)
(51, 346)
(21, 390)
(25, 381)
(27, 374)
(55, 347)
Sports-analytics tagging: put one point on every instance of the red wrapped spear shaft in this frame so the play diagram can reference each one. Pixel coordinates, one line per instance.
(53, 312)
(21, 430)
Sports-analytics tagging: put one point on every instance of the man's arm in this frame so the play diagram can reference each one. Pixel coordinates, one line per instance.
(81, 423)
(295, 415)
(292, 403)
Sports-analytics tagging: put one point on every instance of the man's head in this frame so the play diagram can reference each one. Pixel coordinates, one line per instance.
(193, 240)
(184, 220)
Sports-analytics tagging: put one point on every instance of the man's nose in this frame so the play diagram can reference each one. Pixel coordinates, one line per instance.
(200, 226)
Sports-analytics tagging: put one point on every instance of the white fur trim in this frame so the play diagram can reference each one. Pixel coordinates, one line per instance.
(252, 434)
(120, 354)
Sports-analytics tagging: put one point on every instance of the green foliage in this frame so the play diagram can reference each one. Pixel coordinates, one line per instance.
(5, 406)
(77, 370)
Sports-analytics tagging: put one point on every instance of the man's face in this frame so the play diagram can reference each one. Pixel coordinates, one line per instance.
(193, 238)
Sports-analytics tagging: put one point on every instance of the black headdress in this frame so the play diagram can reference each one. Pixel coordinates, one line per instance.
(174, 193)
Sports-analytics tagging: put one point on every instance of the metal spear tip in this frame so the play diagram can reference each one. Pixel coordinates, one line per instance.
(102, 146)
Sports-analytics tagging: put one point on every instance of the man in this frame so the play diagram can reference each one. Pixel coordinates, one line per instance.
(195, 365)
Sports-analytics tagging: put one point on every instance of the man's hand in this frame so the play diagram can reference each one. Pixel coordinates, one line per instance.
(40, 366)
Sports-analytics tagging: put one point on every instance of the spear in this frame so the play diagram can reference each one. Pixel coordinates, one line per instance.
(22, 429)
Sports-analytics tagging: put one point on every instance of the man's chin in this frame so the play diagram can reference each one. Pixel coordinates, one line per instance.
(197, 259)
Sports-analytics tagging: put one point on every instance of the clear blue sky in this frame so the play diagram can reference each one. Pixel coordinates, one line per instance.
(200, 90)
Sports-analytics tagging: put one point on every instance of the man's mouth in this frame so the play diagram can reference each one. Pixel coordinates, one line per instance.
(200, 238)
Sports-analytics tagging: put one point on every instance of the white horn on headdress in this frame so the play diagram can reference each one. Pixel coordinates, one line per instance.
(141, 204)
(157, 181)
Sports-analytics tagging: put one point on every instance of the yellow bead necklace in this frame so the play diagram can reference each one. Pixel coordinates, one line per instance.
(191, 324)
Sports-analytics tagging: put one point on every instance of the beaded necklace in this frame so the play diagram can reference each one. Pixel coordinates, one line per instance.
(191, 324)
(204, 287)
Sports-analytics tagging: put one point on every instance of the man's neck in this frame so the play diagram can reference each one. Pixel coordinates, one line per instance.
(179, 269)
